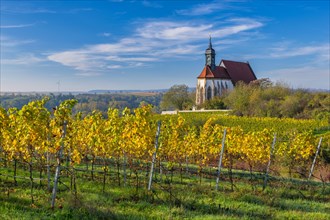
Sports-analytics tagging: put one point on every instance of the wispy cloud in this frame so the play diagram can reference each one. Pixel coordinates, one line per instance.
(26, 10)
(204, 9)
(38, 10)
(215, 7)
(152, 41)
(88, 74)
(173, 30)
(25, 59)
(301, 77)
(78, 59)
(237, 25)
(78, 10)
(17, 26)
(121, 47)
(285, 51)
(187, 31)
(11, 42)
(129, 59)
(105, 34)
(316, 53)
(151, 4)
(177, 51)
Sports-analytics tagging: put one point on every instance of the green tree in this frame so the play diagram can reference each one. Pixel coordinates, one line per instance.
(319, 106)
(273, 97)
(177, 97)
(261, 98)
(215, 103)
(294, 104)
(238, 99)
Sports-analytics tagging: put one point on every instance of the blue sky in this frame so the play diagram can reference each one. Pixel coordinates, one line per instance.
(118, 44)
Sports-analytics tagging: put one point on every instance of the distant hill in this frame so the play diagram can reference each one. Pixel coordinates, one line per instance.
(101, 91)
(104, 91)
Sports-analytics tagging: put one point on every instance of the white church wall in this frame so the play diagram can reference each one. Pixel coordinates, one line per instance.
(200, 96)
(217, 86)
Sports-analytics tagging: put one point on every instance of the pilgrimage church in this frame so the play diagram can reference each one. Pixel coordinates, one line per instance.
(214, 80)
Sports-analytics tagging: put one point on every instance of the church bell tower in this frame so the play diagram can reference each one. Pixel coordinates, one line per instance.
(210, 56)
(215, 80)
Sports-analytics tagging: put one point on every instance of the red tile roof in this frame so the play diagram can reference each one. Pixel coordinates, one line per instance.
(239, 71)
(218, 73)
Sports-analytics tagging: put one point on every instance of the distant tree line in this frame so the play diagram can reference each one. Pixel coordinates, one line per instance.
(86, 102)
(90, 102)
(19, 100)
(260, 98)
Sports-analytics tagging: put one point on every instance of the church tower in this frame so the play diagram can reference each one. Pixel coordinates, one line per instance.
(215, 80)
(210, 56)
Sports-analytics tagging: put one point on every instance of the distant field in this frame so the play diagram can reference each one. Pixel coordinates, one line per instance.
(143, 93)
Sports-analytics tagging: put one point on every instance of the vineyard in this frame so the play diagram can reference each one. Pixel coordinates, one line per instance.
(58, 151)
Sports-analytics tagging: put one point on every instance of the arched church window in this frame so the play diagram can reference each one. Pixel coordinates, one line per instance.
(209, 93)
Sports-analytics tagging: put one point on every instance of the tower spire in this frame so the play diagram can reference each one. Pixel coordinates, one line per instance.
(210, 55)
(210, 42)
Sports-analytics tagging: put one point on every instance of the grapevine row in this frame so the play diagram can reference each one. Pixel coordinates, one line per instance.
(34, 134)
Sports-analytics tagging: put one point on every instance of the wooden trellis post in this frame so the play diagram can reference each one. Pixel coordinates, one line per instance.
(154, 156)
(313, 164)
(58, 168)
(220, 159)
(269, 162)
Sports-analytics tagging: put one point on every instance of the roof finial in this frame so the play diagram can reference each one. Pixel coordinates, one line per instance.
(210, 43)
